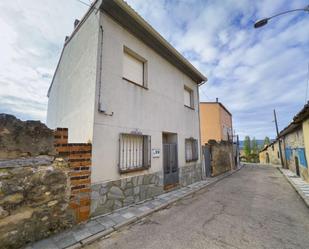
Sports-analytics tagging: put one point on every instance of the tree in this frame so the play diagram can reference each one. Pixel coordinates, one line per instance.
(266, 141)
(247, 146)
(255, 147)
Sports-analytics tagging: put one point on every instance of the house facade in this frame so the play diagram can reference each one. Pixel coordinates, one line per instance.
(216, 122)
(120, 86)
(270, 154)
(295, 139)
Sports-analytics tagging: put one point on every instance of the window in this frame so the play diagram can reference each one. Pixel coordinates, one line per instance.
(134, 67)
(188, 97)
(191, 148)
(278, 154)
(134, 153)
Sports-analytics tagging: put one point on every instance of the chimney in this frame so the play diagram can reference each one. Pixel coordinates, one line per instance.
(76, 22)
(217, 100)
(66, 38)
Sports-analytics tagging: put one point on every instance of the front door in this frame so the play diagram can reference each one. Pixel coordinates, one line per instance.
(207, 157)
(170, 165)
(297, 166)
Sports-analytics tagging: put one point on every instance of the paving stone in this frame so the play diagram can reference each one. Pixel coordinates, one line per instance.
(65, 239)
(95, 227)
(106, 221)
(46, 244)
(82, 233)
(144, 208)
(128, 215)
(118, 219)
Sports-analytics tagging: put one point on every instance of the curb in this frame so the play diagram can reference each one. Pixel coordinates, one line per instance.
(300, 193)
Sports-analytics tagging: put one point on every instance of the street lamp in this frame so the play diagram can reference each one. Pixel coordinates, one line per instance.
(264, 21)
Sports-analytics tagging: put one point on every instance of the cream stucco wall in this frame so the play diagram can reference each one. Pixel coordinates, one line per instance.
(72, 95)
(306, 141)
(160, 108)
(273, 154)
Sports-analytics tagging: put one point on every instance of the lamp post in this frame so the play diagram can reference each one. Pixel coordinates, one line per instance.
(264, 21)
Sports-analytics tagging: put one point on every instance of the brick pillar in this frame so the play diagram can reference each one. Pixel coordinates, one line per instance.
(79, 157)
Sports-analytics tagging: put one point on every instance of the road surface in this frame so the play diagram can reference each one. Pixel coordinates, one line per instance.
(254, 208)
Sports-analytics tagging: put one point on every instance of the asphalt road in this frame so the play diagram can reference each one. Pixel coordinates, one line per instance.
(254, 208)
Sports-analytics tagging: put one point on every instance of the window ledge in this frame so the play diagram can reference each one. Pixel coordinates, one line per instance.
(192, 108)
(192, 160)
(123, 171)
(134, 83)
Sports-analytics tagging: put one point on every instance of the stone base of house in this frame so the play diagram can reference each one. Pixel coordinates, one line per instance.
(190, 174)
(112, 195)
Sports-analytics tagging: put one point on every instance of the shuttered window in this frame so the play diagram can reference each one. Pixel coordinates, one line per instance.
(134, 152)
(191, 149)
(188, 97)
(133, 68)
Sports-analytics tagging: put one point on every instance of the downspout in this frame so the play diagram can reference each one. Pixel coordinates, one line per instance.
(101, 107)
(200, 134)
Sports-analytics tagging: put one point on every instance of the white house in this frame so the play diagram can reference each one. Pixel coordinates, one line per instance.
(121, 86)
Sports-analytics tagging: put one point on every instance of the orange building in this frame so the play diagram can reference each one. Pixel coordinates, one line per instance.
(216, 122)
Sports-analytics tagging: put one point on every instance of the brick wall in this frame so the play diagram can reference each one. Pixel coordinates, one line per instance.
(79, 158)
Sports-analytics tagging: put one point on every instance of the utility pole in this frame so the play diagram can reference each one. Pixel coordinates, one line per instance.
(280, 151)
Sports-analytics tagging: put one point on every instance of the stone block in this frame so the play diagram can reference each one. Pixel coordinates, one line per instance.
(115, 193)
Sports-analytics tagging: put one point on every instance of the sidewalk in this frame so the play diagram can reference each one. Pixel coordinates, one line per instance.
(301, 187)
(101, 226)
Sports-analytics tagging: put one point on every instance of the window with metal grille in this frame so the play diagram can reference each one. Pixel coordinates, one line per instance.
(191, 147)
(134, 152)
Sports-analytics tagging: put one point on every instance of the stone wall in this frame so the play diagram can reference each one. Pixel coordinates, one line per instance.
(190, 174)
(34, 199)
(44, 181)
(24, 138)
(108, 196)
(222, 159)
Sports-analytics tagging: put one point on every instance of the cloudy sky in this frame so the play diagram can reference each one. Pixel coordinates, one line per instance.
(251, 71)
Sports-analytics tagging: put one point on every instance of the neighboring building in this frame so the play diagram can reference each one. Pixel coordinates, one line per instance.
(294, 144)
(217, 138)
(295, 139)
(270, 154)
(122, 87)
(216, 122)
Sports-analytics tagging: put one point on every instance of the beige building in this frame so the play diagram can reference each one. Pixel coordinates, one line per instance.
(295, 139)
(294, 145)
(121, 86)
(270, 154)
(216, 122)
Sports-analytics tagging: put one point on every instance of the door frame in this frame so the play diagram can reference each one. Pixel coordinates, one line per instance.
(170, 140)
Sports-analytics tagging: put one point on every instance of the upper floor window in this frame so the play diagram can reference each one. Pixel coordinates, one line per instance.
(134, 67)
(188, 97)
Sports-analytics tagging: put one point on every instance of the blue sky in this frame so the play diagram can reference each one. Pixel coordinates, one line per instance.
(251, 71)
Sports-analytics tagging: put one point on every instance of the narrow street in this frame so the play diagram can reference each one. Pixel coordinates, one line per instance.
(254, 208)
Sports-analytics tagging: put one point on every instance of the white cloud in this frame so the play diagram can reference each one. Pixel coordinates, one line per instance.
(251, 70)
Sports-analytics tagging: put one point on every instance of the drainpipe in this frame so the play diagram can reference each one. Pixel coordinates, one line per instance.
(200, 134)
(101, 107)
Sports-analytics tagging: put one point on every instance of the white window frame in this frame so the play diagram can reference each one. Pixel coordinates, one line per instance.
(134, 152)
(134, 56)
(190, 91)
(191, 149)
